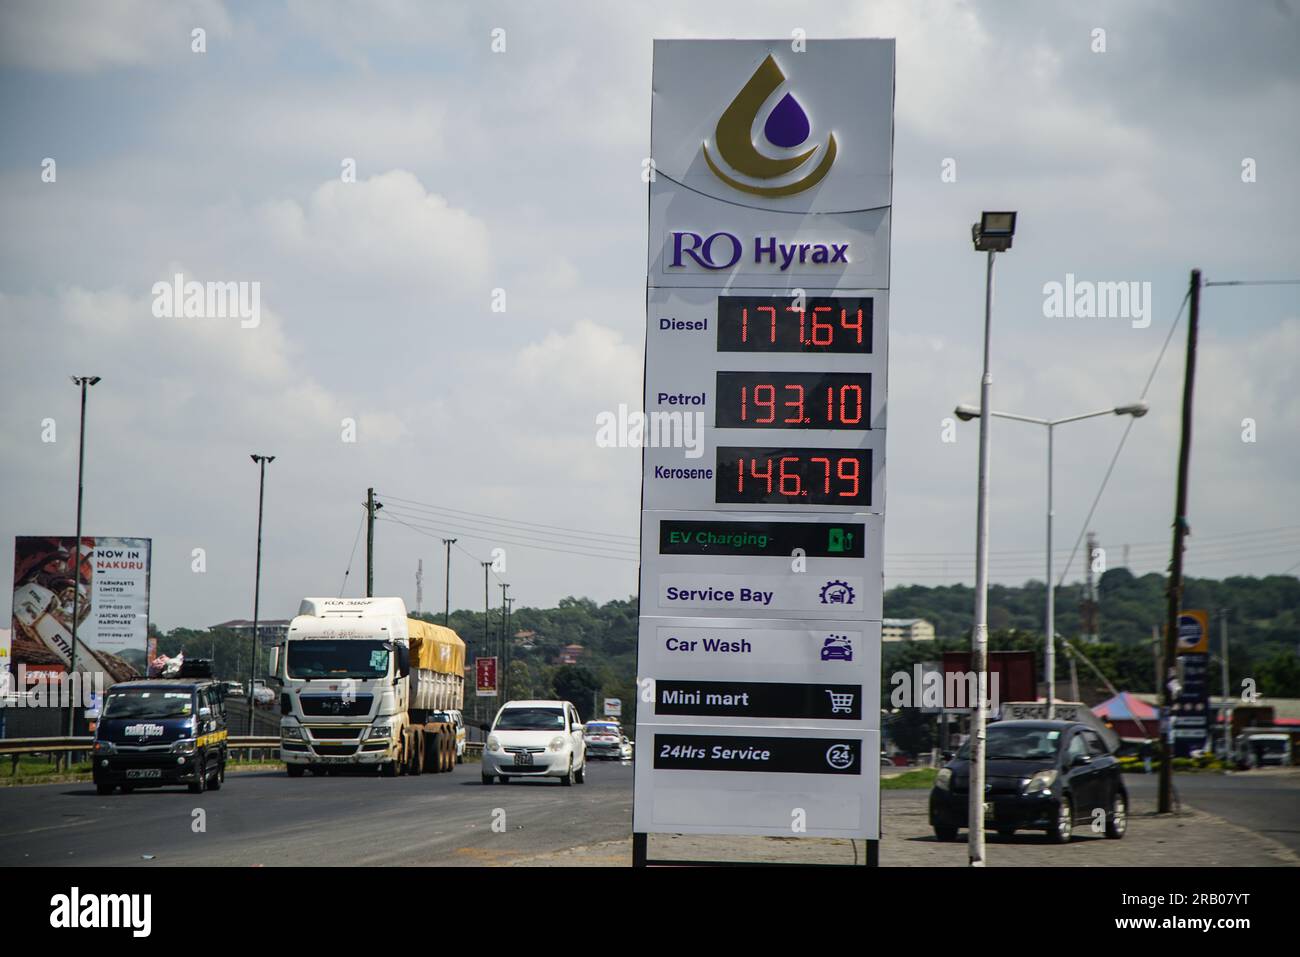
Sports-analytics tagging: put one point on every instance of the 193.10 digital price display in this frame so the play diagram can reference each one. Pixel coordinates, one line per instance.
(771, 476)
(793, 400)
(782, 323)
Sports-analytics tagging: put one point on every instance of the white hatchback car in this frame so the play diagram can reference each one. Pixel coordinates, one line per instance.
(535, 739)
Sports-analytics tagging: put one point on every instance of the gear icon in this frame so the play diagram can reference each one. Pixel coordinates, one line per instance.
(837, 593)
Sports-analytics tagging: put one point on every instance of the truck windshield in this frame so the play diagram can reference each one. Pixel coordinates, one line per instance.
(333, 658)
(149, 703)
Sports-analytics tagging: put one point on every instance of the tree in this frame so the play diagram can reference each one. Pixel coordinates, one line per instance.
(577, 683)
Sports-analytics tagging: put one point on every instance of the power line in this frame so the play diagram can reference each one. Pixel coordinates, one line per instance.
(1254, 282)
(422, 531)
(1124, 438)
(347, 571)
(425, 506)
(493, 535)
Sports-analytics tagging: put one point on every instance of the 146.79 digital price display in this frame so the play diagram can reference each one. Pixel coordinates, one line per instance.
(771, 476)
(807, 324)
(793, 400)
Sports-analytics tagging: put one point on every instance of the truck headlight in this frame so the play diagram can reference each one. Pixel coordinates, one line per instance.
(1042, 781)
(379, 731)
(291, 732)
(559, 742)
(493, 743)
(105, 747)
(183, 746)
(943, 780)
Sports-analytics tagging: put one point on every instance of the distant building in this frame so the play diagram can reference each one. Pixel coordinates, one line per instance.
(570, 654)
(268, 629)
(525, 639)
(906, 629)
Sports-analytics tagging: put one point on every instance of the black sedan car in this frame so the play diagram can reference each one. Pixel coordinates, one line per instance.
(1039, 775)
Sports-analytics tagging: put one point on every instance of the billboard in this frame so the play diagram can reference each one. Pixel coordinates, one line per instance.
(767, 314)
(107, 579)
(485, 677)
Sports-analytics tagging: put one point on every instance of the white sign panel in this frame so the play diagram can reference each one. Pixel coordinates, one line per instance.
(705, 779)
(787, 670)
(763, 489)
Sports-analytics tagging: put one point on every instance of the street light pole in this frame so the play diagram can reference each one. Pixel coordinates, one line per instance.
(261, 461)
(82, 381)
(980, 634)
(965, 413)
(992, 234)
(1049, 663)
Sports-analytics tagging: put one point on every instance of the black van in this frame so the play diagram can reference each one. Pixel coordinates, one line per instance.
(160, 731)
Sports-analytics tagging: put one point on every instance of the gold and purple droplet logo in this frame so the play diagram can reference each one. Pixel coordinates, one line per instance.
(787, 127)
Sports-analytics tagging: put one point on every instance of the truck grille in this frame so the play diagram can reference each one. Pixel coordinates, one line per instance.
(336, 705)
(335, 750)
(326, 731)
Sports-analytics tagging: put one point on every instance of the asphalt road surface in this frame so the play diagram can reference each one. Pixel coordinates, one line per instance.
(263, 818)
(1267, 802)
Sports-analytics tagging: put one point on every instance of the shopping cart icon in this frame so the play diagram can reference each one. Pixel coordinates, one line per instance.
(840, 703)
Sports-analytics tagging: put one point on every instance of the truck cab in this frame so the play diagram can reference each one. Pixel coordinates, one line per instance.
(348, 695)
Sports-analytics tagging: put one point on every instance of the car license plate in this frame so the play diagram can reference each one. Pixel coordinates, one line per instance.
(523, 757)
(144, 772)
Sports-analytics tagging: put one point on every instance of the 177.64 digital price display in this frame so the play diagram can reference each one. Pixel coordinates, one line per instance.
(808, 324)
(793, 400)
(793, 476)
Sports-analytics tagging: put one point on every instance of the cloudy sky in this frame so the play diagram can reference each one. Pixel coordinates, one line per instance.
(520, 171)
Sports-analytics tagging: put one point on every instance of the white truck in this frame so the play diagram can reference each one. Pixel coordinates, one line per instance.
(361, 685)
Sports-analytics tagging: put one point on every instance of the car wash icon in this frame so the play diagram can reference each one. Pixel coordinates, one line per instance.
(837, 648)
(837, 593)
(786, 128)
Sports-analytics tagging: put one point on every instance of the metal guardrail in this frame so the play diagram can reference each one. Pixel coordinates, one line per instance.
(65, 750)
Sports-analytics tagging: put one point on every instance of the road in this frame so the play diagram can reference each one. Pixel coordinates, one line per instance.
(1266, 802)
(263, 818)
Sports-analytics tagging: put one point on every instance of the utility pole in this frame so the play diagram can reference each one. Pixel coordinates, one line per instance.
(487, 642)
(1225, 711)
(501, 642)
(1175, 590)
(446, 593)
(261, 461)
(82, 381)
(419, 588)
(371, 507)
(508, 652)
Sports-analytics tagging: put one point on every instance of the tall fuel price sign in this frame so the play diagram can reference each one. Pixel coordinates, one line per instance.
(767, 316)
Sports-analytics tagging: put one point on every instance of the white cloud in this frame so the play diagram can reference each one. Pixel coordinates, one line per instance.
(385, 228)
(87, 36)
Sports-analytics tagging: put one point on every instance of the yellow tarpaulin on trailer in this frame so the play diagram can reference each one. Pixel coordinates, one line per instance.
(435, 648)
